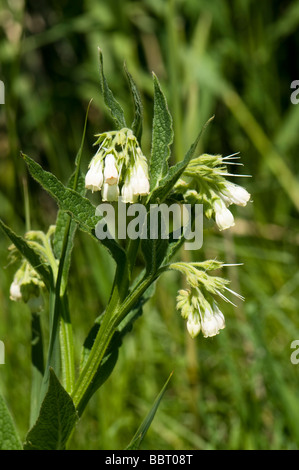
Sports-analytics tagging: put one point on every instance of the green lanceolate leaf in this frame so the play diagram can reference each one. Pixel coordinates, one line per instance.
(9, 439)
(113, 105)
(29, 252)
(70, 201)
(56, 420)
(162, 137)
(138, 108)
(174, 173)
(143, 428)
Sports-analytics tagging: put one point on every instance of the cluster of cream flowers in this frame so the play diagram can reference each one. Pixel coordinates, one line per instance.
(118, 168)
(197, 304)
(199, 313)
(27, 287)
(204, 181)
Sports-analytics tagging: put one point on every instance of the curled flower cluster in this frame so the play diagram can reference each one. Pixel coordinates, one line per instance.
(118, 168)
(27, 286)
(204, 181)
(197, 304)
(200, 314)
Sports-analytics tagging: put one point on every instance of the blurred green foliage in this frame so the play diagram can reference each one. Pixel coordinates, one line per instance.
(233, 59)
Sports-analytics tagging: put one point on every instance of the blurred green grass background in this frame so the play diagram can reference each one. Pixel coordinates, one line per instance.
(236, 60)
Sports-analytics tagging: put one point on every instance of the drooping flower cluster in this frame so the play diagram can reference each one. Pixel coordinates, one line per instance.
(200, 314)
(27, 286)
(118, 168)
(197, 304)
(204, 182)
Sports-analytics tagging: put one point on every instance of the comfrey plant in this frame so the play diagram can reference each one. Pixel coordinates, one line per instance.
(119, 172)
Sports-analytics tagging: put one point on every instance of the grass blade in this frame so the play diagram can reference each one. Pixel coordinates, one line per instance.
(143, 428)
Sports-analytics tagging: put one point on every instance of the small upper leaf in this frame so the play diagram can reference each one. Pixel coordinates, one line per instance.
(115, 108)
(138, 108)
(162, 136)
(175, 171)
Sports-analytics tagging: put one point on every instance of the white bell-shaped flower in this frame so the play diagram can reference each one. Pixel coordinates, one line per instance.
(223, 216)
(209, 323)
(15, 291)
(127, 192)
(110, 170)
(235, 194)
(94, 176)
(139, 179)
(110, 192)
(219, 317)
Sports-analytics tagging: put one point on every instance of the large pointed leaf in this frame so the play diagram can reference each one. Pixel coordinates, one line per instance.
(162, 136)
(56, 420)
(143, 428)
(9, 439)
(70, 201)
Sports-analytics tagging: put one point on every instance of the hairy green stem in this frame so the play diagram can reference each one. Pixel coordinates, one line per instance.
(53, 357)
(66, 347)
(115, 313)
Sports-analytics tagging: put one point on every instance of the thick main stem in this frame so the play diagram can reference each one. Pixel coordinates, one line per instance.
(113, 317)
